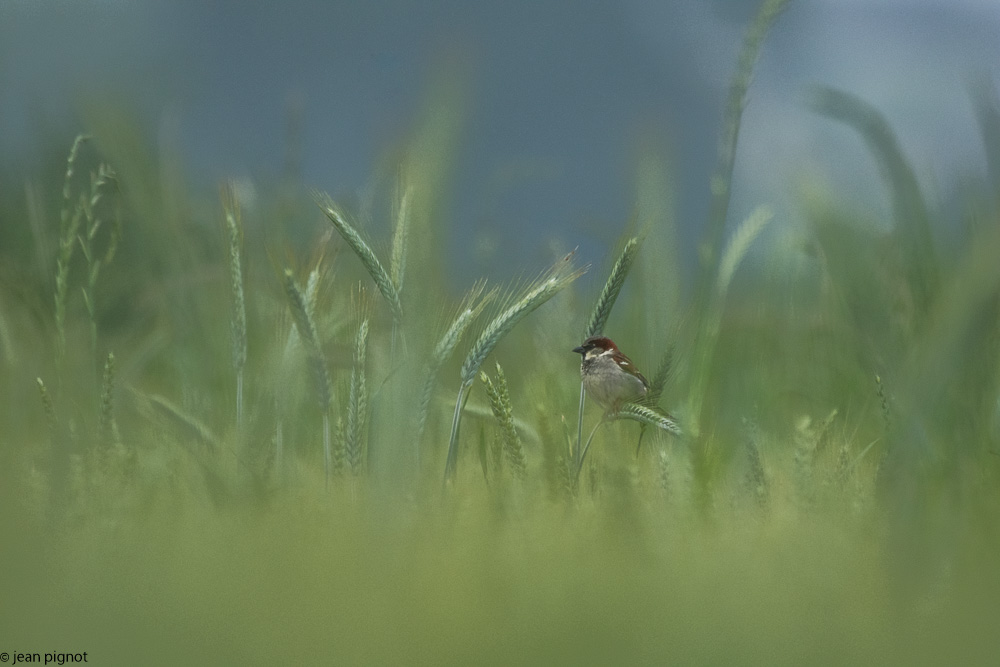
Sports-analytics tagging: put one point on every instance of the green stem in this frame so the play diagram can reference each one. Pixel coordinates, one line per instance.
(579, 428)
(586, 448)
(451, 464)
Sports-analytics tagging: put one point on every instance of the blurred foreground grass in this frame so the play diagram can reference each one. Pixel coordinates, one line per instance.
(224, 427)
(315, 579)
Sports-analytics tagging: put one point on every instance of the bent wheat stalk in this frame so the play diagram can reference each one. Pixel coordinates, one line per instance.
(636, 412)
(538, 292)
(363, 250)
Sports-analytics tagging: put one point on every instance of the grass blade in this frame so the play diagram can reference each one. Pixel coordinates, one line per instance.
(735, 103)
(912, 222)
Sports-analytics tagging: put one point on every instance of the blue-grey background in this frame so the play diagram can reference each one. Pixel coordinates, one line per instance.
(559, 96)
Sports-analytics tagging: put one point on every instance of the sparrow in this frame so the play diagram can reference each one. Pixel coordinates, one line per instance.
(609, 377)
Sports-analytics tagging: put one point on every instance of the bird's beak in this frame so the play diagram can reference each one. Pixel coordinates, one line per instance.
(579, 350)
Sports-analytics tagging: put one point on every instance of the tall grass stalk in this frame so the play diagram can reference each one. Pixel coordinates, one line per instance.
(59, 445)
(704, 353)
(912, 230)
(69, 223)
(99, 182)
(39, 231)
(233, 220)
(397, 257)
(602, 310)
(357, 408)
(538, 292)
(109, 432)
(721, 183)
(577, 453)
(306, 327)
(279, 445)
(469, 309)
(47, 405)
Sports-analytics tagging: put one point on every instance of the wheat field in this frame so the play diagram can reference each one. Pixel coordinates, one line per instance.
(281, 431)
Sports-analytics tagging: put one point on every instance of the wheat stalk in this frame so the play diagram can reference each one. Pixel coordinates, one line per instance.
(98, 181)
(635, 412)
(738, 245)
(364, 252)
(47, 405)
(551, 283)
(538, 292)
(469, 308)
(69, 223)
(499, 396)
(306, 326)
(656, 386)
(735, 103)
(737, 248)
(108, 424)
(339, 446)
(400, 239)
(191, 427)
(357, 408)
(612, 287)
(238, 329)
(308, 334)
(602, 310)
(646, 415)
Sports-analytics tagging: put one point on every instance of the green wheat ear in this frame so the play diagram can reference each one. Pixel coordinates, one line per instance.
(47, 405)
(308, 333)
(69, 223)
(188, 427)
(636, 412)
(561, 274)
(538, 292)
(612, 288)
(469, 309)
(357, 407)
(503, 412)
(99, 182)
(738, 245)
(363, 250)
(647, 415)
(401, 238)
(108, 423)
(234, 231)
